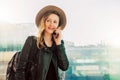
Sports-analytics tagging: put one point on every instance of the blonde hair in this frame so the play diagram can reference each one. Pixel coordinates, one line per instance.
(40, 37)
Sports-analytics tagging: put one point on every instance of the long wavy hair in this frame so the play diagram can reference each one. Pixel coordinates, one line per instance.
(41, 28)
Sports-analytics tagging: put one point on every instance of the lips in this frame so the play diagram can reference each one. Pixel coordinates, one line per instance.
(51, 28)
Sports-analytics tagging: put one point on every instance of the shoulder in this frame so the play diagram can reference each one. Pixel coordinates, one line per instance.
(31, 38)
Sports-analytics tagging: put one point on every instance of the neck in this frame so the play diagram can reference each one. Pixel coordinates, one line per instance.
(47, 37)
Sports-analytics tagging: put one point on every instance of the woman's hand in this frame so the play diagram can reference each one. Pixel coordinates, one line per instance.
(57, 36)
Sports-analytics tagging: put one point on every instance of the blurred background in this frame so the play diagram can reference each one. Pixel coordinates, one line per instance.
(91, 35)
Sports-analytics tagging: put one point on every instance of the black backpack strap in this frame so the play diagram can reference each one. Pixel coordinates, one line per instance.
(34, 48)
(31, 63)
(25, 57)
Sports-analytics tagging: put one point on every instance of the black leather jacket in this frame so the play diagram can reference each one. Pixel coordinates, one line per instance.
(41, 61)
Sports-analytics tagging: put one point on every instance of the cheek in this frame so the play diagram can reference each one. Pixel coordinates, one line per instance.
(46, 24)
(46, 27)
(56, 25)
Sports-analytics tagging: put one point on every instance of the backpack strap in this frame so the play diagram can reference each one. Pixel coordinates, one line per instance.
(29, 49)
(33, 50)
(31, 63)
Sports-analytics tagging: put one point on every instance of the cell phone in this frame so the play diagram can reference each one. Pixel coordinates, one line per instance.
(55, 34)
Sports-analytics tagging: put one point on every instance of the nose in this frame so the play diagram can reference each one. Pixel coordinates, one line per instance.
(51, 23)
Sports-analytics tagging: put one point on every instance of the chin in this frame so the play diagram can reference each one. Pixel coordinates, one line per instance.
(50, 32)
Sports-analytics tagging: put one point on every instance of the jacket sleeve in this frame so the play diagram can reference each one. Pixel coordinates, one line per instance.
(22, 60)
(63, 62)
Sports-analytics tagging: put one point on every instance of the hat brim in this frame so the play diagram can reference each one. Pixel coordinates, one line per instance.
(51, 8)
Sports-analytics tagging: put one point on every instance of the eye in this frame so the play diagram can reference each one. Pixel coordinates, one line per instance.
(55, 21)
(47, 20)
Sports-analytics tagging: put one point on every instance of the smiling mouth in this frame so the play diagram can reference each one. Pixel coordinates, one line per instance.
(51, 28)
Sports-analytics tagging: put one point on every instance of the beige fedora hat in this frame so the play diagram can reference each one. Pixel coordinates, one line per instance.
(51, 8)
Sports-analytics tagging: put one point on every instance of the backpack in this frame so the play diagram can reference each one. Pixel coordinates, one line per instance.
(11, 68)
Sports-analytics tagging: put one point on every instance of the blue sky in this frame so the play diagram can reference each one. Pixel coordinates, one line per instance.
(88, 21)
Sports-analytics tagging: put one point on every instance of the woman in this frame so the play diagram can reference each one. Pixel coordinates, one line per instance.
(48, 53)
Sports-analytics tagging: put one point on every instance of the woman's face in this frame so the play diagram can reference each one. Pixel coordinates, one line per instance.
(51, 23)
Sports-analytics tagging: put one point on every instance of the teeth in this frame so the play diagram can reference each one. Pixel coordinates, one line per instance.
(51, 28)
